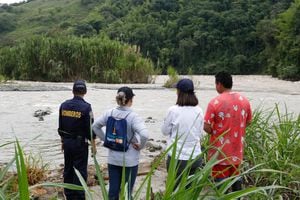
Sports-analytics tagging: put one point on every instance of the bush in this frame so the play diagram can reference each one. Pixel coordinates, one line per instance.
(96, 59)
(9, 63)
(7, 22)
(84, 30)
(133, 68)
(36, 169)
(173, 77)
(291, 72)
(273, 142)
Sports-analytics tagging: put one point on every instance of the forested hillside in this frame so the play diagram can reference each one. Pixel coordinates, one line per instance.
(194, 36)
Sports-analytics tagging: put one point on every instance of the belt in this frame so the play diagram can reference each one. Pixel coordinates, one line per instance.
(79, 137)
(65, 134)
(76, 137)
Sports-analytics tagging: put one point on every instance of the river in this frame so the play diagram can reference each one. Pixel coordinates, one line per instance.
(19, 101)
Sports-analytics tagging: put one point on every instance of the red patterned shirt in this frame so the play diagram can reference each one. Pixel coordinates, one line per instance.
(228, 115)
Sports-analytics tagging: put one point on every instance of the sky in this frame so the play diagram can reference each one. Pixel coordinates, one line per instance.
(10, 1)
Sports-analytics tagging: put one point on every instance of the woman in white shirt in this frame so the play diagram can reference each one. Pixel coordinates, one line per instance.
(184, 121)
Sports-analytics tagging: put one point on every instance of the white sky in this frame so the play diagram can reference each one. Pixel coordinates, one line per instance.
(10, 1)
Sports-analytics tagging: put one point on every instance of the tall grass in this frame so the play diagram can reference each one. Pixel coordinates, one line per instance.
(22, 173)
(271, 168)
(97, 59)
(173, 77)
(273, 140)
(36, 168)
(5, 178)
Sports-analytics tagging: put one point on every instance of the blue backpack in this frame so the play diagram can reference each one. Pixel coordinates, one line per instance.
(116, 134)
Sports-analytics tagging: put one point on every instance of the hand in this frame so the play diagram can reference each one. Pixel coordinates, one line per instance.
(136, 146)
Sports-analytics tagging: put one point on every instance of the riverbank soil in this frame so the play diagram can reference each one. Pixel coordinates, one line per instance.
(153, 151)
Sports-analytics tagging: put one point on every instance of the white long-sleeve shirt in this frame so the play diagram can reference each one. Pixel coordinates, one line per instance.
(187, 123)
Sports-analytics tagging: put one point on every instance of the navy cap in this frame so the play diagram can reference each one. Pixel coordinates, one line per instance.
(128, 92)
(79, 86)
(185, 85)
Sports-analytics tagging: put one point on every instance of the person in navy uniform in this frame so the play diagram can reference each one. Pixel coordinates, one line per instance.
(75, 118)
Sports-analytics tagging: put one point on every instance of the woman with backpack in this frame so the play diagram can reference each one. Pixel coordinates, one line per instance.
(184, 125)
(125, 136)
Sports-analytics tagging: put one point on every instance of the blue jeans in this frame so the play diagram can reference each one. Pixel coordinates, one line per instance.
(236, 186)
(115, 180)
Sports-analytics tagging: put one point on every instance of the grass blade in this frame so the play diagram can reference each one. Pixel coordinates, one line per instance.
(84, 185)
(101, 180)
(62, 185)
(22, 173)
(5, 169)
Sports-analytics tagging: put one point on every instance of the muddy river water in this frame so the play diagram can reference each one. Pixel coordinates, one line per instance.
(19, 101)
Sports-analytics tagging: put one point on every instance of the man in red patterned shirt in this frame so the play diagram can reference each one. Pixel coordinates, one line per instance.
(226, 118)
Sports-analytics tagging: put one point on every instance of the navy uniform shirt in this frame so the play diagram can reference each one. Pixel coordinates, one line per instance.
(75, 117)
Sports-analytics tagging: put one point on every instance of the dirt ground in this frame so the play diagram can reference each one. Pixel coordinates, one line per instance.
(151, 153)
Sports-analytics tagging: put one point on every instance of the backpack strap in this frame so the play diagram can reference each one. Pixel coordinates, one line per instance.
(129, 141)
(127, 115)
(133, 133)
(111, 114)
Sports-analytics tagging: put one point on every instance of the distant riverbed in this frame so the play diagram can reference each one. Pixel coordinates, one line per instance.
(20, 100)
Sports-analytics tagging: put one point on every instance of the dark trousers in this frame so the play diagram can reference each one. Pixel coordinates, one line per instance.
(76, 156)
(236, 186)
(182, 164)
(115, 180)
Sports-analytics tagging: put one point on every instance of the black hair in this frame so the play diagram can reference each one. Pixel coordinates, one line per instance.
(79, 93)
(186, 99)
(224, 78)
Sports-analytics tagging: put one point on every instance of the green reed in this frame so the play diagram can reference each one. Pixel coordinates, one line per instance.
(173, 77)
(96, 59)
(22, 173)
(273, 141)
(5, 178)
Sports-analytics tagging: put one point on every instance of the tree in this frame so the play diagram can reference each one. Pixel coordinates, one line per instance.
(85, 30)
(7, 22)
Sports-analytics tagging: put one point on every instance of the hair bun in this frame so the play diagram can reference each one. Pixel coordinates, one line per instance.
(121, 98)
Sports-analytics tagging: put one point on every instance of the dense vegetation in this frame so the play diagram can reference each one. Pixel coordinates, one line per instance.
(194, 36)
(272, 141)
(59, 59)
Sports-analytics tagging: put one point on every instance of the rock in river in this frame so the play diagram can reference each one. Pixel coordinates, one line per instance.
(41, 113)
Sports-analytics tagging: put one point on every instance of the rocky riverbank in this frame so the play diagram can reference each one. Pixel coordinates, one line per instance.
(153, 150)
